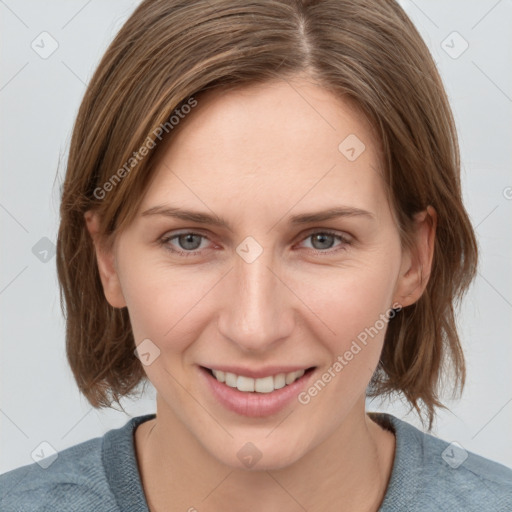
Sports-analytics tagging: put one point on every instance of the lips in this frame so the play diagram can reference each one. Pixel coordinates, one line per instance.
(256, 396)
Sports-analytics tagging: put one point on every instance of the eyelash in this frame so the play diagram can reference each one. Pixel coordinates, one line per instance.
(164, 241)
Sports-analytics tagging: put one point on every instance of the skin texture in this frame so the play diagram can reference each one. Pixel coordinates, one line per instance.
(257, 156)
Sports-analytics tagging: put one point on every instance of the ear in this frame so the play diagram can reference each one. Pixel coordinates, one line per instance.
(106, 263)
(417, 260)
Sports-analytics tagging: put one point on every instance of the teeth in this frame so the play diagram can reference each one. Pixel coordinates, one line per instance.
(231, 379)
(290, 377)
(263, 385)
(280, 381)
(244, 383)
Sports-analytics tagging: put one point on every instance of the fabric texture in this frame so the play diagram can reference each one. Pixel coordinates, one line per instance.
(102, 475)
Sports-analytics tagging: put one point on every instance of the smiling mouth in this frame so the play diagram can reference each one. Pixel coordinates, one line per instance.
(260, 385)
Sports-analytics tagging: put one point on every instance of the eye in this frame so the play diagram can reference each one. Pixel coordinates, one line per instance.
(189, 243)
(322, 241)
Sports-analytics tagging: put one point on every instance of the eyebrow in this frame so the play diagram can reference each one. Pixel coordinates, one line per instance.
(215, 220)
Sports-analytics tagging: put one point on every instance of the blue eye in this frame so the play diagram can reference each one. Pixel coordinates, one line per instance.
(330, 236)
(189, 242)
(186, 240)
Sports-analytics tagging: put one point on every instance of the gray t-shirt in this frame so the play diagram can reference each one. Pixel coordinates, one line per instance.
(102, 475)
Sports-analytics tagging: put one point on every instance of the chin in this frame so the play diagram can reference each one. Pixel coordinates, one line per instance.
(257, 455)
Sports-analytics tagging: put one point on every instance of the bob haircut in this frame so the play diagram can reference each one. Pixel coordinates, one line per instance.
(166, 54)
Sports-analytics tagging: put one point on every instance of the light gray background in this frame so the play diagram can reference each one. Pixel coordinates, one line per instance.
(39, 100)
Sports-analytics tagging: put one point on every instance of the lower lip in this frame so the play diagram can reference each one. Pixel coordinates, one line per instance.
(255, 405)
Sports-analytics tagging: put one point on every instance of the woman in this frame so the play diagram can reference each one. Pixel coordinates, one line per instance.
(262, 216)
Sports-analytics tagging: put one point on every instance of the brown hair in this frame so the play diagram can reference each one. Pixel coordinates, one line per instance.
(364, 51)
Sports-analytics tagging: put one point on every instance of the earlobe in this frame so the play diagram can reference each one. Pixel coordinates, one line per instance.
(106, 263)
(417, 262)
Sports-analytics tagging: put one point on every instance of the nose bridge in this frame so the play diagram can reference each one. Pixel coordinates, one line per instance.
(256, 313)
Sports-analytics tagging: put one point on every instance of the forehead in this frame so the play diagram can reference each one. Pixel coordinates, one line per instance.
(270, 145)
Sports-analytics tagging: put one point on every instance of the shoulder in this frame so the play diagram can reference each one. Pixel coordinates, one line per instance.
(432, 474)
(74, 480)
(460, 478)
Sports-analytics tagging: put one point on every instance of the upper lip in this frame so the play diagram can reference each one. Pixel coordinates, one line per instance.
(258, 373)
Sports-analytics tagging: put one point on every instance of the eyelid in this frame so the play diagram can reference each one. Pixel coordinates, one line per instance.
(342, 234)
(205, 233)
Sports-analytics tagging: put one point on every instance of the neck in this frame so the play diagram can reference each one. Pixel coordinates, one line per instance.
(349, 470)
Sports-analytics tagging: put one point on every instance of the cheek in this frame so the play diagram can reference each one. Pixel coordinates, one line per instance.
(350, 300)
(165, 304)
(358, 310)
(171, 306)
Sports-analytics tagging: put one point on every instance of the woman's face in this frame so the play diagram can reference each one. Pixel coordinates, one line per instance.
(267, 291)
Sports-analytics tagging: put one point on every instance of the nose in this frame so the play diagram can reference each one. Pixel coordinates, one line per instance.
(258, 310)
